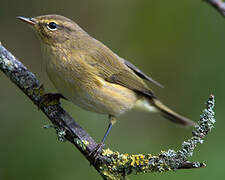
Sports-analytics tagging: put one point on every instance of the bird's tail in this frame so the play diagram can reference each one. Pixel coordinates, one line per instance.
(171, 115)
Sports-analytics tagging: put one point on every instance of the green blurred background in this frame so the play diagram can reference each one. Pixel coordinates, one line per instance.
(179, 44)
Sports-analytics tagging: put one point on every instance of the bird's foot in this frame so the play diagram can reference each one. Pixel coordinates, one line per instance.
(50, 99)
(96, 152)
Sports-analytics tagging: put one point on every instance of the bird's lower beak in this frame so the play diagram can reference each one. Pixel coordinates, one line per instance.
(30, 21)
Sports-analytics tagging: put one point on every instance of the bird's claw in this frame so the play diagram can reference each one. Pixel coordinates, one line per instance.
(50, 99)
(96, 152)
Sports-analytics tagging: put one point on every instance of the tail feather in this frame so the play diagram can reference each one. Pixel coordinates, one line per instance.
(171, 115)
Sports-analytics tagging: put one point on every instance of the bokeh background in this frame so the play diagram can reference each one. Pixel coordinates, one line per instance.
(180, 44)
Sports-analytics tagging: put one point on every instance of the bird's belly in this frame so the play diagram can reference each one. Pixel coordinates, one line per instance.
(106, 100)
(97, 96)
(109, 99)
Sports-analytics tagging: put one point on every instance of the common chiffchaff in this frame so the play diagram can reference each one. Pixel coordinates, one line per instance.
(92, 76)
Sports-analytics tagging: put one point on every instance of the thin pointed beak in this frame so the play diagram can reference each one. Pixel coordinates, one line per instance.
(30, 21)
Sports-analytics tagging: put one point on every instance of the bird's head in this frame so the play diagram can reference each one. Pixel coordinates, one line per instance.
(54, 28)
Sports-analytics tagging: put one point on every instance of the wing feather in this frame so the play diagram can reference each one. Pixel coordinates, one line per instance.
(141, 74)
(112, 68)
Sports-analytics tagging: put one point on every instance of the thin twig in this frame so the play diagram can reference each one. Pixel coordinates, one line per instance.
(110, 165)
(218, 4)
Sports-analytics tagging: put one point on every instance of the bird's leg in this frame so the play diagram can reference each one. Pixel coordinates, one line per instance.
(112, 122)
(99, 147)
(49, 99)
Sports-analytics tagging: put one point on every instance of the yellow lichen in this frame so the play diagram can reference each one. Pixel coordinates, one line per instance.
(85, 142)
(133, 161)
(107, 152)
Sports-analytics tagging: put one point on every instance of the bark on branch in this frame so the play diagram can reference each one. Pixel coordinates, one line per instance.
(110, 165)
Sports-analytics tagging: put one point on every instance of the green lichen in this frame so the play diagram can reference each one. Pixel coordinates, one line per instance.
(82, 144)
(6, 63)
(61, 133)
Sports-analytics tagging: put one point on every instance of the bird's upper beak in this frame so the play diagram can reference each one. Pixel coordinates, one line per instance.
(31, 21)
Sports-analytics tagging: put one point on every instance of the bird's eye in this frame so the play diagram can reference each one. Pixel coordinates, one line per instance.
(52, 26)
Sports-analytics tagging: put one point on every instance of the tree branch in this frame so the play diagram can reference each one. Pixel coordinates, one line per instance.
(110, 165)
(218, 4)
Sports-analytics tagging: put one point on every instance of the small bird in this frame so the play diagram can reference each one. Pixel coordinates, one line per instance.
(92, 76)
